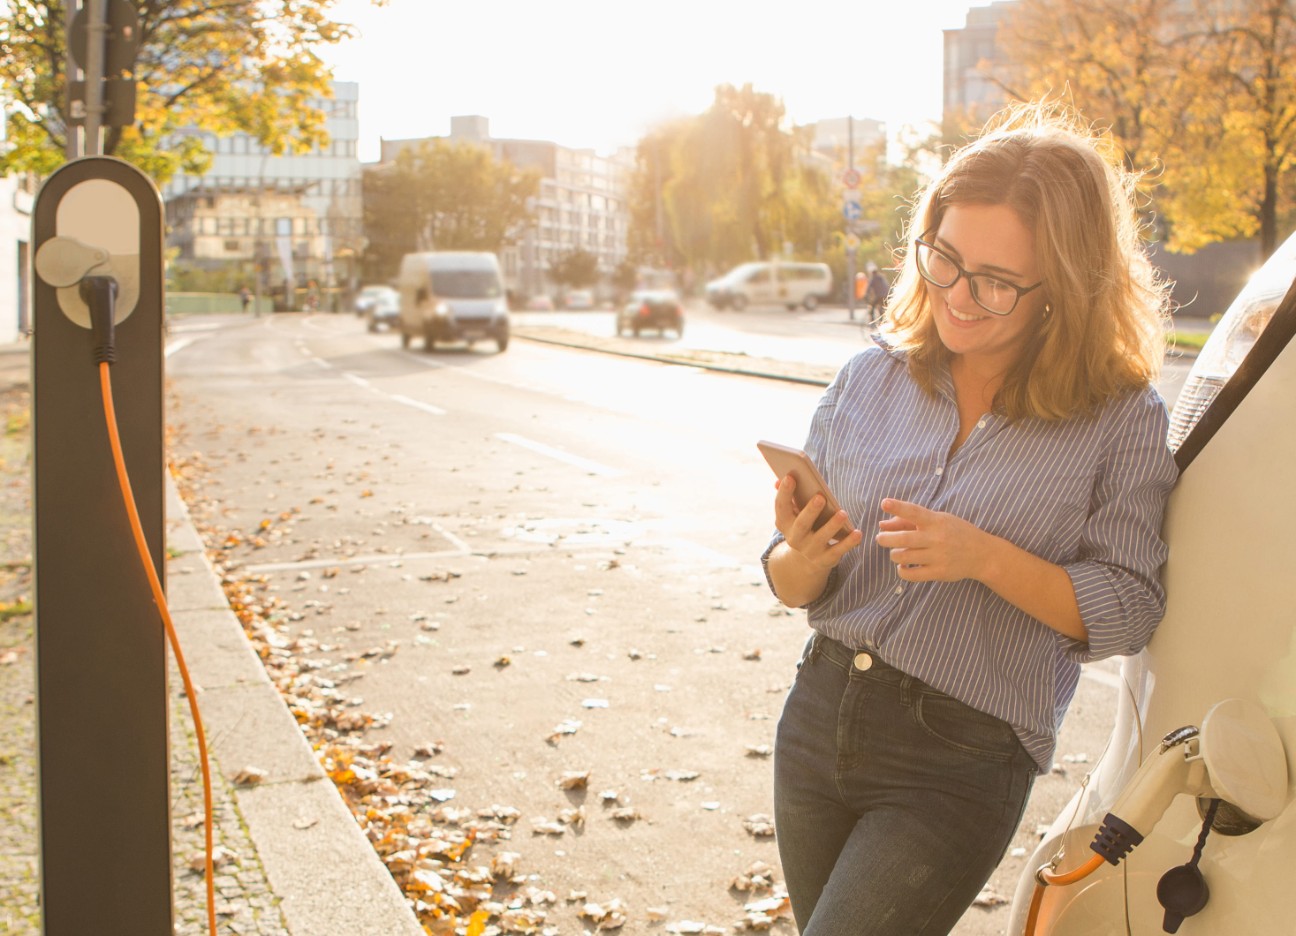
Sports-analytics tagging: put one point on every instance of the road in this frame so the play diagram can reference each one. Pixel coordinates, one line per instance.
(536, 564)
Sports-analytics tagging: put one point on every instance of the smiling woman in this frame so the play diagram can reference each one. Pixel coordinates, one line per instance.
(1005, 449)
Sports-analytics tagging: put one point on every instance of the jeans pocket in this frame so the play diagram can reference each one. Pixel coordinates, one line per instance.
(962, 728)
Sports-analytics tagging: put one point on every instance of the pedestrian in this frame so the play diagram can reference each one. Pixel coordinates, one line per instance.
(878, 290)
(245, 297)
(1001, 461)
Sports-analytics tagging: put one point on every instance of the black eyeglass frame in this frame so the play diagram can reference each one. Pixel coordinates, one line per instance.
(970, 277)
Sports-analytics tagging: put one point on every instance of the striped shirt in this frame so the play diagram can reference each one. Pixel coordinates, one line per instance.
(1087, 493)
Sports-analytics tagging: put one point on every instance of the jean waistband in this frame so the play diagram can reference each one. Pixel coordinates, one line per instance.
(863, 660)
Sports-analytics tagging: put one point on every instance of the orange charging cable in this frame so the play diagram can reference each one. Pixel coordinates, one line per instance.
(141, 546)
(1045, 877)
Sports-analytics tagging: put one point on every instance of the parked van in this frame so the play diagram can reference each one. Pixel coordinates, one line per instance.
(765, 284)
(452, 296)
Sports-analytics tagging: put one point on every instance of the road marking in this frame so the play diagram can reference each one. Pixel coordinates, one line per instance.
(540, 448)
(357, 380)
(180, 345)
(418, 405)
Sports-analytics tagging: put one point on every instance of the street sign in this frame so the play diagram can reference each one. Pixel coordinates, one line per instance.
(122, 22)
(852, 242)
(851, 210)
(851, 178)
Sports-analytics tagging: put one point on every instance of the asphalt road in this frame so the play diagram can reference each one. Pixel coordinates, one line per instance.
(545, 562)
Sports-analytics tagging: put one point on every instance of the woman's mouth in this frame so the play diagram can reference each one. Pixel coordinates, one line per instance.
(962, 317)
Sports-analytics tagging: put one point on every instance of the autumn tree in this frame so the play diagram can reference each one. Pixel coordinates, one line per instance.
(443, 196)
(239, 65)
(1195, 94)
(574, 269)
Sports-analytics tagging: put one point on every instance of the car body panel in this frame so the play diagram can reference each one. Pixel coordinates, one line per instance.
(658, 309)
(789, 284)
(1229, 632)
(450, 296)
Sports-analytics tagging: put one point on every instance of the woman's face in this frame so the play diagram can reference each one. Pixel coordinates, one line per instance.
(987, 239)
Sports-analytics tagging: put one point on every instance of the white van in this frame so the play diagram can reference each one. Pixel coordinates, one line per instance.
(452, 295)
(766, 284)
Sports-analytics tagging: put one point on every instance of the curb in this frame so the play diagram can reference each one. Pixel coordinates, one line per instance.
(820, 376)
(318, 863)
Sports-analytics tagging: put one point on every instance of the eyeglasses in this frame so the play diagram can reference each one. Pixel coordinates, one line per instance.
(991, 293)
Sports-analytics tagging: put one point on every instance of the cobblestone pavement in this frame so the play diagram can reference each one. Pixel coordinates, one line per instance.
(245, 904)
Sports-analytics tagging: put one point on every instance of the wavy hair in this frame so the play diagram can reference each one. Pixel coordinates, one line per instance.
(1104, 332)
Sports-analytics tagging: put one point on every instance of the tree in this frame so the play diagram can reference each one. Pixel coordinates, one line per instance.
(574, 269)
(237, 65)
(1195, 94)
(443, 196)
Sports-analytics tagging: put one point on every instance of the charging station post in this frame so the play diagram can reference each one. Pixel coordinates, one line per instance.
(102, 696)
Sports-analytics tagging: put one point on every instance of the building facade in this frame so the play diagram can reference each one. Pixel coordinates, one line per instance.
(17, 196)
(285, 222)
(967, 89)
(581, 204)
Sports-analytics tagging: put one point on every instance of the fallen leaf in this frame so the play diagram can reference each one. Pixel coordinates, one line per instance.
(574, 780)
(249, 776)
(759, 825)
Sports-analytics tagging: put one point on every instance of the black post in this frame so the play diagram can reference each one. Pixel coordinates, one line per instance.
(101, 655)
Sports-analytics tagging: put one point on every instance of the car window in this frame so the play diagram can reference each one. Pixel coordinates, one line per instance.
(1232, 339)
(466, 284)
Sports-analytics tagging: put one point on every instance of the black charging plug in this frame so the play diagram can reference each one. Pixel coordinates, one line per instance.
(100, 294)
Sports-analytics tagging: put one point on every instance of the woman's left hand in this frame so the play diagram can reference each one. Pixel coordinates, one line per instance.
(931, 546)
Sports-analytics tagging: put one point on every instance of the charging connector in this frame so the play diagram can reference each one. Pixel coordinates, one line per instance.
(100, 294)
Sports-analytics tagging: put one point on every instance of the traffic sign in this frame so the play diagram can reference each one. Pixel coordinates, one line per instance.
(851, 178)
(851, 210)
(121, 20)
(852, 242)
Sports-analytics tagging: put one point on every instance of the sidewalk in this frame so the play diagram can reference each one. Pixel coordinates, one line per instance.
(291, 859)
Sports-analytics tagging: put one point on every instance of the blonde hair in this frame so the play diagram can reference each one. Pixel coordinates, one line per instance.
(1103, 333)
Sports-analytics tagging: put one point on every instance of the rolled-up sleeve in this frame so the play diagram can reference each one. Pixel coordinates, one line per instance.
(1117, 572)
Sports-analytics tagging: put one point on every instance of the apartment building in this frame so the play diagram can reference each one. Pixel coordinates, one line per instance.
(296, 218)
(17, 197)
(581, 204)
(967, 90)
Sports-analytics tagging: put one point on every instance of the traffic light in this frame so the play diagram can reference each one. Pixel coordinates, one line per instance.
(120, 36)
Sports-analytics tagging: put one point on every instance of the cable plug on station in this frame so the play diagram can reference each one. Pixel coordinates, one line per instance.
(100, 294)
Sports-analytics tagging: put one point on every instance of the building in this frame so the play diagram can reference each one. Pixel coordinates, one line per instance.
(967, 89)
(297, 218)
(17, 196)
(838, 136)
(581, 204)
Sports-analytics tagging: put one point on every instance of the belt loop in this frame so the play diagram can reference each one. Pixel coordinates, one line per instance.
(906, 690)
(816, 646)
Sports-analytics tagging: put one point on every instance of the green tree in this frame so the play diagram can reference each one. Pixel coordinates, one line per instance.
(574, 269)
(237, 65)
(443, 196)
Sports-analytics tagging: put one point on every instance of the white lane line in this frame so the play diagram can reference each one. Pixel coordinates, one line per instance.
(540, 448)
(419, 405)
(180, 345)
(357, 380)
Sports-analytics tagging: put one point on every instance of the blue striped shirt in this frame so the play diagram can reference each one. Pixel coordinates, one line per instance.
(1087, 493)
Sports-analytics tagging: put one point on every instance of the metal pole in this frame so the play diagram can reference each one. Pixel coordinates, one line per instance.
(72, 145)
(850, 251)
(96, 37)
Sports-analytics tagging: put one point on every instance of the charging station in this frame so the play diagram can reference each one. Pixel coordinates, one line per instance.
(101, 676)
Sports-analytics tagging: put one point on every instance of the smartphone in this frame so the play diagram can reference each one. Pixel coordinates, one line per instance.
(785, 461)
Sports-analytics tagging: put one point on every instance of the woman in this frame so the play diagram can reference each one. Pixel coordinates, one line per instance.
(1006, 453)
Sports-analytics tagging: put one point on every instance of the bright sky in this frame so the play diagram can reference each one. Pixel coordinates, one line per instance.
(599, 73)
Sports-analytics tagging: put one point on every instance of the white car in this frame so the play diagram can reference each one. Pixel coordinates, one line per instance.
(1190, 814)
(579, 300)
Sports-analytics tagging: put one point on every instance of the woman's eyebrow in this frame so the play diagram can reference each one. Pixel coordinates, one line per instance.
(989, 268)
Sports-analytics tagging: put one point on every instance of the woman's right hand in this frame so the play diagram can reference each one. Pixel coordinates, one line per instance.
(815, 547)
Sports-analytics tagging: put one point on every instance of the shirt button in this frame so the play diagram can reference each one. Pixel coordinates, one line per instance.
(940, 471)
(863, 661)
(899, 589)
(981, 424)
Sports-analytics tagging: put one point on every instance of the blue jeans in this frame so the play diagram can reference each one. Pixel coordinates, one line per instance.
(893, 802)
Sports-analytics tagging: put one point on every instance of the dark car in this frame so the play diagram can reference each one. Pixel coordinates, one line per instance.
(651, 308)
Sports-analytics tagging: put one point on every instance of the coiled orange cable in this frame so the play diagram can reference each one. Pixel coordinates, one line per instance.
(159, 598)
